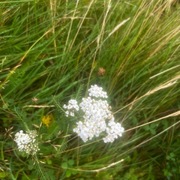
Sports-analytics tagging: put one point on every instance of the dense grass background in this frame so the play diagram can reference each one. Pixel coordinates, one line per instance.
(51, 51)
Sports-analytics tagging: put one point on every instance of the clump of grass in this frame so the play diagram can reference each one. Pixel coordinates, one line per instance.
(51, 51)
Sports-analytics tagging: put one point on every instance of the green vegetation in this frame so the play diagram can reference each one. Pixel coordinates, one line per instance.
(52, 51)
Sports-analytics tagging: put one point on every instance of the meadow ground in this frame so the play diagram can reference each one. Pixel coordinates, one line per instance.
(52, 51)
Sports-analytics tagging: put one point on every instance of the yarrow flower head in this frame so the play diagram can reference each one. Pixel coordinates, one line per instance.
(97, 92)
(26, 142)
(96, 116)
(71, 107)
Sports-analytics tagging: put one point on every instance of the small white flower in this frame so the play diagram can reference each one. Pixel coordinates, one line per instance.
(113, 130)
(71, 107)
(26, 142)
(97, 92)
(82, 131)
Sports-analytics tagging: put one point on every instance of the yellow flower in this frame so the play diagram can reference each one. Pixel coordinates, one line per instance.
(47, 120)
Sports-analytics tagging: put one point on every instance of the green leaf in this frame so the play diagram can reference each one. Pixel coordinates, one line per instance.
(3, 174)
(68, 173)
(71, 162)
(64, 165)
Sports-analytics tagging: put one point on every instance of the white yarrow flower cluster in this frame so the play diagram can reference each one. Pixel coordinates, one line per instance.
(26, 142)
(97, 118)
(96, 91)
(71, 107)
